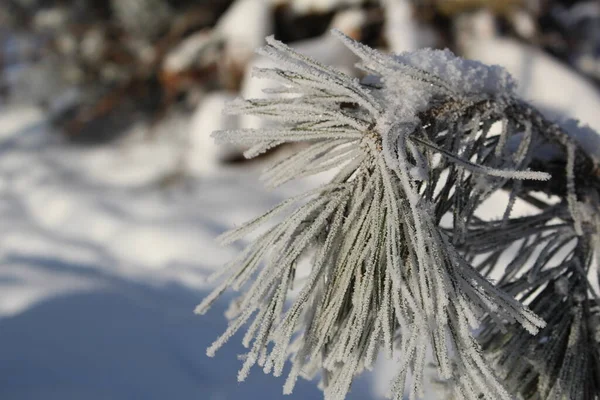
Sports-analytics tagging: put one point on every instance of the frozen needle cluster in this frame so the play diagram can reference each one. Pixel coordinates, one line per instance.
(424, 135)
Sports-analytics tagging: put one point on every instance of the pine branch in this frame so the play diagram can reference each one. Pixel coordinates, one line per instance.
(385, 276)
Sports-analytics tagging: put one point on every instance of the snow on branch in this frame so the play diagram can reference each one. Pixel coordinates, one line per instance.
(385, 276)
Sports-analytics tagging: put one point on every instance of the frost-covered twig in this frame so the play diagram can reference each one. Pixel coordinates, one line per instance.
(420, 144)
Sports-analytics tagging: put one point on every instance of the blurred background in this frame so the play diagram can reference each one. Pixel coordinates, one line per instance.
(112, 191)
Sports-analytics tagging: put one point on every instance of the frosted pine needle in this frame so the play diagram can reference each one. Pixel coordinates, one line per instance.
(384, 274)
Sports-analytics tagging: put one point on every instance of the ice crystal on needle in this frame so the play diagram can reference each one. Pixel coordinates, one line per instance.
(409, 144)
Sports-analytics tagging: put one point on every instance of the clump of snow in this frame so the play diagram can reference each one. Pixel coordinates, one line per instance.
(464, 76)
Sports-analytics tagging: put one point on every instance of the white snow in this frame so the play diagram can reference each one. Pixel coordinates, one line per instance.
(243, 29)
(203, 153)
(102, 264)
(318, 6)
(462, 75)
(523, 23)
(327, 49)
(187, 53)
(402, 31)
(553, 87)
(252, 88)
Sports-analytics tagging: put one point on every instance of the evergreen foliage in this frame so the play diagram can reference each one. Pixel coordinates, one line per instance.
(424, 136)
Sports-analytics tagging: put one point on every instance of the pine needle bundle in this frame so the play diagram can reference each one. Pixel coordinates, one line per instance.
(424, 136)
(553, 271)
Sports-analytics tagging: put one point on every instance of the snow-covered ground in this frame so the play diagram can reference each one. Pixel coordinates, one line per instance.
(102, 262)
